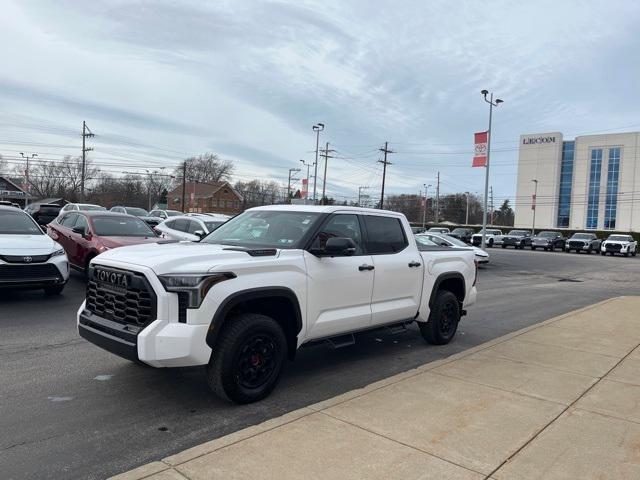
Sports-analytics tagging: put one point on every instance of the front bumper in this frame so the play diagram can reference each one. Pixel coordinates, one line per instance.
(55, 271)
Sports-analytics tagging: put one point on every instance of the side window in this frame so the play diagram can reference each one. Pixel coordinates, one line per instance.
(340, 226)
(181, 225)
(385, 235)
(82, 222)
(194, 225)
(170, 224)
(69, 220)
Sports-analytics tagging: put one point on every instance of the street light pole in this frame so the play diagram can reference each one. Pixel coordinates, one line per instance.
(466, 221)
(426, 199)
(360, 194)
(26, 173)
(318, 127)
(289, 183)
(307, 165)
(486, 178)
(533, 206)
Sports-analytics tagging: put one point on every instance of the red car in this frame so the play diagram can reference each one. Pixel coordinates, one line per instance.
(85, 234)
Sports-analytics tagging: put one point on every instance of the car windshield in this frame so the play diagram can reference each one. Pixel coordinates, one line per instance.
(455, 241)
(460, 230)
(264, 228)
(90, 207)
(547, 234)
(619, 238)
(518, 233)
(17, 223)
(437, 229)
(582, 236)
(118, 226)
(211, 226)
(138, 212)
(424, 240)
(172, 213)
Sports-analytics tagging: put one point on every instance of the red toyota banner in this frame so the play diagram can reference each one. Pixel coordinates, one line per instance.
(305, 188)
(480, 156)
(533, 202)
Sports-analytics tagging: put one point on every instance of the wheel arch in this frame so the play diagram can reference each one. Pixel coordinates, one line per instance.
(279, 303)
(451, 281)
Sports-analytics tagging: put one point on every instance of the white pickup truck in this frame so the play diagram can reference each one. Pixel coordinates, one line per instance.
(270, 280)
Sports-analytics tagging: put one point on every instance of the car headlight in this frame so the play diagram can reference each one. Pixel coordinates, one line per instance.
(58, 252)
(195, 285)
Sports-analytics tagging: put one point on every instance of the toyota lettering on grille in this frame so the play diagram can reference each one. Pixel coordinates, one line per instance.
(113, 278)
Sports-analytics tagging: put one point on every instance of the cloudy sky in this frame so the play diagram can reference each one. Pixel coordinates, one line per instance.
(158, 81)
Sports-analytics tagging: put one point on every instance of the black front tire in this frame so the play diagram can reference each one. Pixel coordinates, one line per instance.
(504, 246)
(247, 359)
(54, 289)
(490, 243)
(443, 319)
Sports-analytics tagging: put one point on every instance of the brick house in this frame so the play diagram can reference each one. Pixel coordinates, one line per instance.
(217, 197)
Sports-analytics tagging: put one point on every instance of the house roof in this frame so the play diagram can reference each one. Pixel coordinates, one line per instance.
(51, 200)
(13, 190)
(203, 190)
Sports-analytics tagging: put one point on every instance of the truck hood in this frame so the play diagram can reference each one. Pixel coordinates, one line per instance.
(176, 257)
(34, 244)
(617, 242)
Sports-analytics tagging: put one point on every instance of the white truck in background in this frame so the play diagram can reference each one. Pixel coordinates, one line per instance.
(248, 295)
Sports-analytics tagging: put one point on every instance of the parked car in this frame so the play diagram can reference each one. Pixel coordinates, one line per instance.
(141, 213)
(622, 244)
(84, 207)
(517, 239)
(439, 230)
(583, 242)
(164, 214)
(240, 304)
(463, 234)
(28, 257)
(452, 242)
(188, 227)
(86, 234)
(43, 213)
(492, 237)
(548, 241)
(415, 230)
(7, 203)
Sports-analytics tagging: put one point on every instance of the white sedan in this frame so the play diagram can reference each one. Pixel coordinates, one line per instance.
(447, 241)
(29, 258)
(192, 228)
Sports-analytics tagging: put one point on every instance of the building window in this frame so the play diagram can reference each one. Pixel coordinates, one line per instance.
(611, 199)
(593, 197)
(566, 180)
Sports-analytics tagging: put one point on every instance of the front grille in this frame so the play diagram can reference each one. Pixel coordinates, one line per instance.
(134, 304)
(576, 244)
(26, 272)
(613, 247)
(25, 258)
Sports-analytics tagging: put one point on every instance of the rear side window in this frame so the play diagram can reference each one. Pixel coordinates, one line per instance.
(69, 220)
(181, 225)
(384, 235)
(194, 226)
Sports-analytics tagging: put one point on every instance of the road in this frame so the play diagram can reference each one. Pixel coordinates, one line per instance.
(70, 410)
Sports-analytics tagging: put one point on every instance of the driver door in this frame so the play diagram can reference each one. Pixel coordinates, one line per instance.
(340, 288)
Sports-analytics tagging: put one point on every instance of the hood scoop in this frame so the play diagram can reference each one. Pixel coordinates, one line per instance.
(254, 252)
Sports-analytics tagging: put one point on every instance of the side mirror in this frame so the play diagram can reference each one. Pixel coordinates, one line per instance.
(80, 231)
(200, 234)
(340, 247)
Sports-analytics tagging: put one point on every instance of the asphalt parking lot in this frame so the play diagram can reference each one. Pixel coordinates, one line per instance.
(71, 410)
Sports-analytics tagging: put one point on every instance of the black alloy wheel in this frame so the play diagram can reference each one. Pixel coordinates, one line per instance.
(443, 319)
(256, 361)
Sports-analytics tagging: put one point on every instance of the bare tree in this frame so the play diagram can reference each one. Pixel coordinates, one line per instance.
(3, 166)
(206, 168)
(256, 192)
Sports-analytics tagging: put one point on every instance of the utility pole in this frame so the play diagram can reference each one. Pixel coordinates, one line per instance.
(360, 195)
(486, 173)
(533, 207)
(384, 162)
(184, 184)
(438, 199)
(326, 157)
(493, 208)
(466, 218)
(26, 174)
(426, 199)
(289, 183)
(318, 127)
(86, 133)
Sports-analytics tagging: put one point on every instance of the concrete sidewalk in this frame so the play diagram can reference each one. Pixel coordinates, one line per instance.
(560, 399)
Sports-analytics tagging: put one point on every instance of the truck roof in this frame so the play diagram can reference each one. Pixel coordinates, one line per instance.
(326, 209)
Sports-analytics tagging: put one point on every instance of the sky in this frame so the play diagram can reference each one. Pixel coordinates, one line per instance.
(159, 81)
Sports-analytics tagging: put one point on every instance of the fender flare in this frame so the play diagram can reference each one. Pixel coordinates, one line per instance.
(251, 294)
(441, 278)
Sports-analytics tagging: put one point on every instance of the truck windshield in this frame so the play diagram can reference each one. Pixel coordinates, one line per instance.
(582, 236)
(264, 228)
(619, 238)
(547, 234)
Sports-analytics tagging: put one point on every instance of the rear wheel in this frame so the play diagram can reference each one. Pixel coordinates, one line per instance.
(504, 246)
(247, 359)
(603, 253)
(443, 320)
(533, 248)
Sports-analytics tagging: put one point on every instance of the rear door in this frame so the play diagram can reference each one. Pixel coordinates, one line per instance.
(397, 285)
(339, 298)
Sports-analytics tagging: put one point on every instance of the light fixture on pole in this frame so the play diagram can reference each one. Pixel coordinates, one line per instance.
(318, 127)
(486, 178)
(26, 173)
(424, 210)
(533, 206)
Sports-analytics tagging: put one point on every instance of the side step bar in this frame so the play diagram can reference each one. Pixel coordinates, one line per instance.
(341, 341)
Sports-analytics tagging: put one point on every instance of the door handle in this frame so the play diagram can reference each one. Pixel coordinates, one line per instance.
(365, 267)
(414, 264)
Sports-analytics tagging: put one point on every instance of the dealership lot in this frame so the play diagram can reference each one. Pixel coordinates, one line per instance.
(70, 409)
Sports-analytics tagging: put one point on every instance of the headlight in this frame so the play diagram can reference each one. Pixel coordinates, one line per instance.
(58, 252)
(195, 285)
